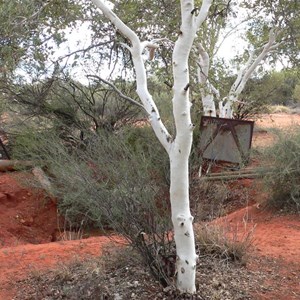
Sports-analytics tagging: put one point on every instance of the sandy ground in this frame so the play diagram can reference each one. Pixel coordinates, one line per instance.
(263, 135)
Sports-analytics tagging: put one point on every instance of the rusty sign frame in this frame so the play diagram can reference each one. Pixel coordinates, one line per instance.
(219, 134)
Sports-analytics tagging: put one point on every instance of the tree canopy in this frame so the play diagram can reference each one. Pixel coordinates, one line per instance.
(33, 31)
(30, 29)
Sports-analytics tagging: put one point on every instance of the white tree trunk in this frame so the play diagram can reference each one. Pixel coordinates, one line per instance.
(180, 152)
(206, 89)
(227, 109)
(179, 148)
(226, 106)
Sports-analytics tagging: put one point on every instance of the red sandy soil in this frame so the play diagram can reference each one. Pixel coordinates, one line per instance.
(275, 235)
(280, 120)
(276, 240)
(262, 136)
(28, 224)
(26, 216)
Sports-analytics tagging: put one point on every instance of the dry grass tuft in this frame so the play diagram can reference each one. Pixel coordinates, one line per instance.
(224, 242)
(274, 109)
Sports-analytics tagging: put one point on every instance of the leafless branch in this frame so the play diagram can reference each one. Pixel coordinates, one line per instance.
(117, 91)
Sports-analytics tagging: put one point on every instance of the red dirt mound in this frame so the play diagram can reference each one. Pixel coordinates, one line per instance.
(27, 216)
(274, 235)
(276, 241)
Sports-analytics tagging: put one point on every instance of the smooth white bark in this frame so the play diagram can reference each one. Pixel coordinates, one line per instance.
(137, 47)
(226, 106)
(207, 91)
(179, 147)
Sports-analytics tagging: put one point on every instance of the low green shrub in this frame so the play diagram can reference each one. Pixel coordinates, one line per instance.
(112, 181)
(283, 182)
(142, 141)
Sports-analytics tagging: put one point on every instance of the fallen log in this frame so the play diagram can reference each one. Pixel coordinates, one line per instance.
(14, 165)
(231, 177)
(39, 174)
(236, 175)
(42, 178)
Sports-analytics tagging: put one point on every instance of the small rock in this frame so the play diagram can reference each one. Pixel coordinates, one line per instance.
(135, 284)
(112, 280)
(167, 289)
(117, 297)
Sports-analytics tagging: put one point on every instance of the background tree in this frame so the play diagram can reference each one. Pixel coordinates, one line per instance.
(271, 35)
(71, 108)
(30, 29)
(281, 14)
(280, 87)
(226, 104)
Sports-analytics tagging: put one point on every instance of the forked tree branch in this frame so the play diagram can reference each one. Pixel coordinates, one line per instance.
(137, 47)
(251, 64)
(118, 91)
(203, 13)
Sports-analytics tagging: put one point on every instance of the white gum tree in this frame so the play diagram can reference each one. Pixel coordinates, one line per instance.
(209, 93)
(178, 147)
(207, 90)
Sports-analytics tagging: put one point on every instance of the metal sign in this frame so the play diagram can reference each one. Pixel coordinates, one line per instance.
(226, 140)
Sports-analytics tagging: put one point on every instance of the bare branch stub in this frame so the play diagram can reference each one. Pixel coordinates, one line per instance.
(187, 87)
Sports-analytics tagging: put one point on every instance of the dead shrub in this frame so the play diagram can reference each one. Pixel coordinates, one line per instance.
(224, 242)
(207, 199)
